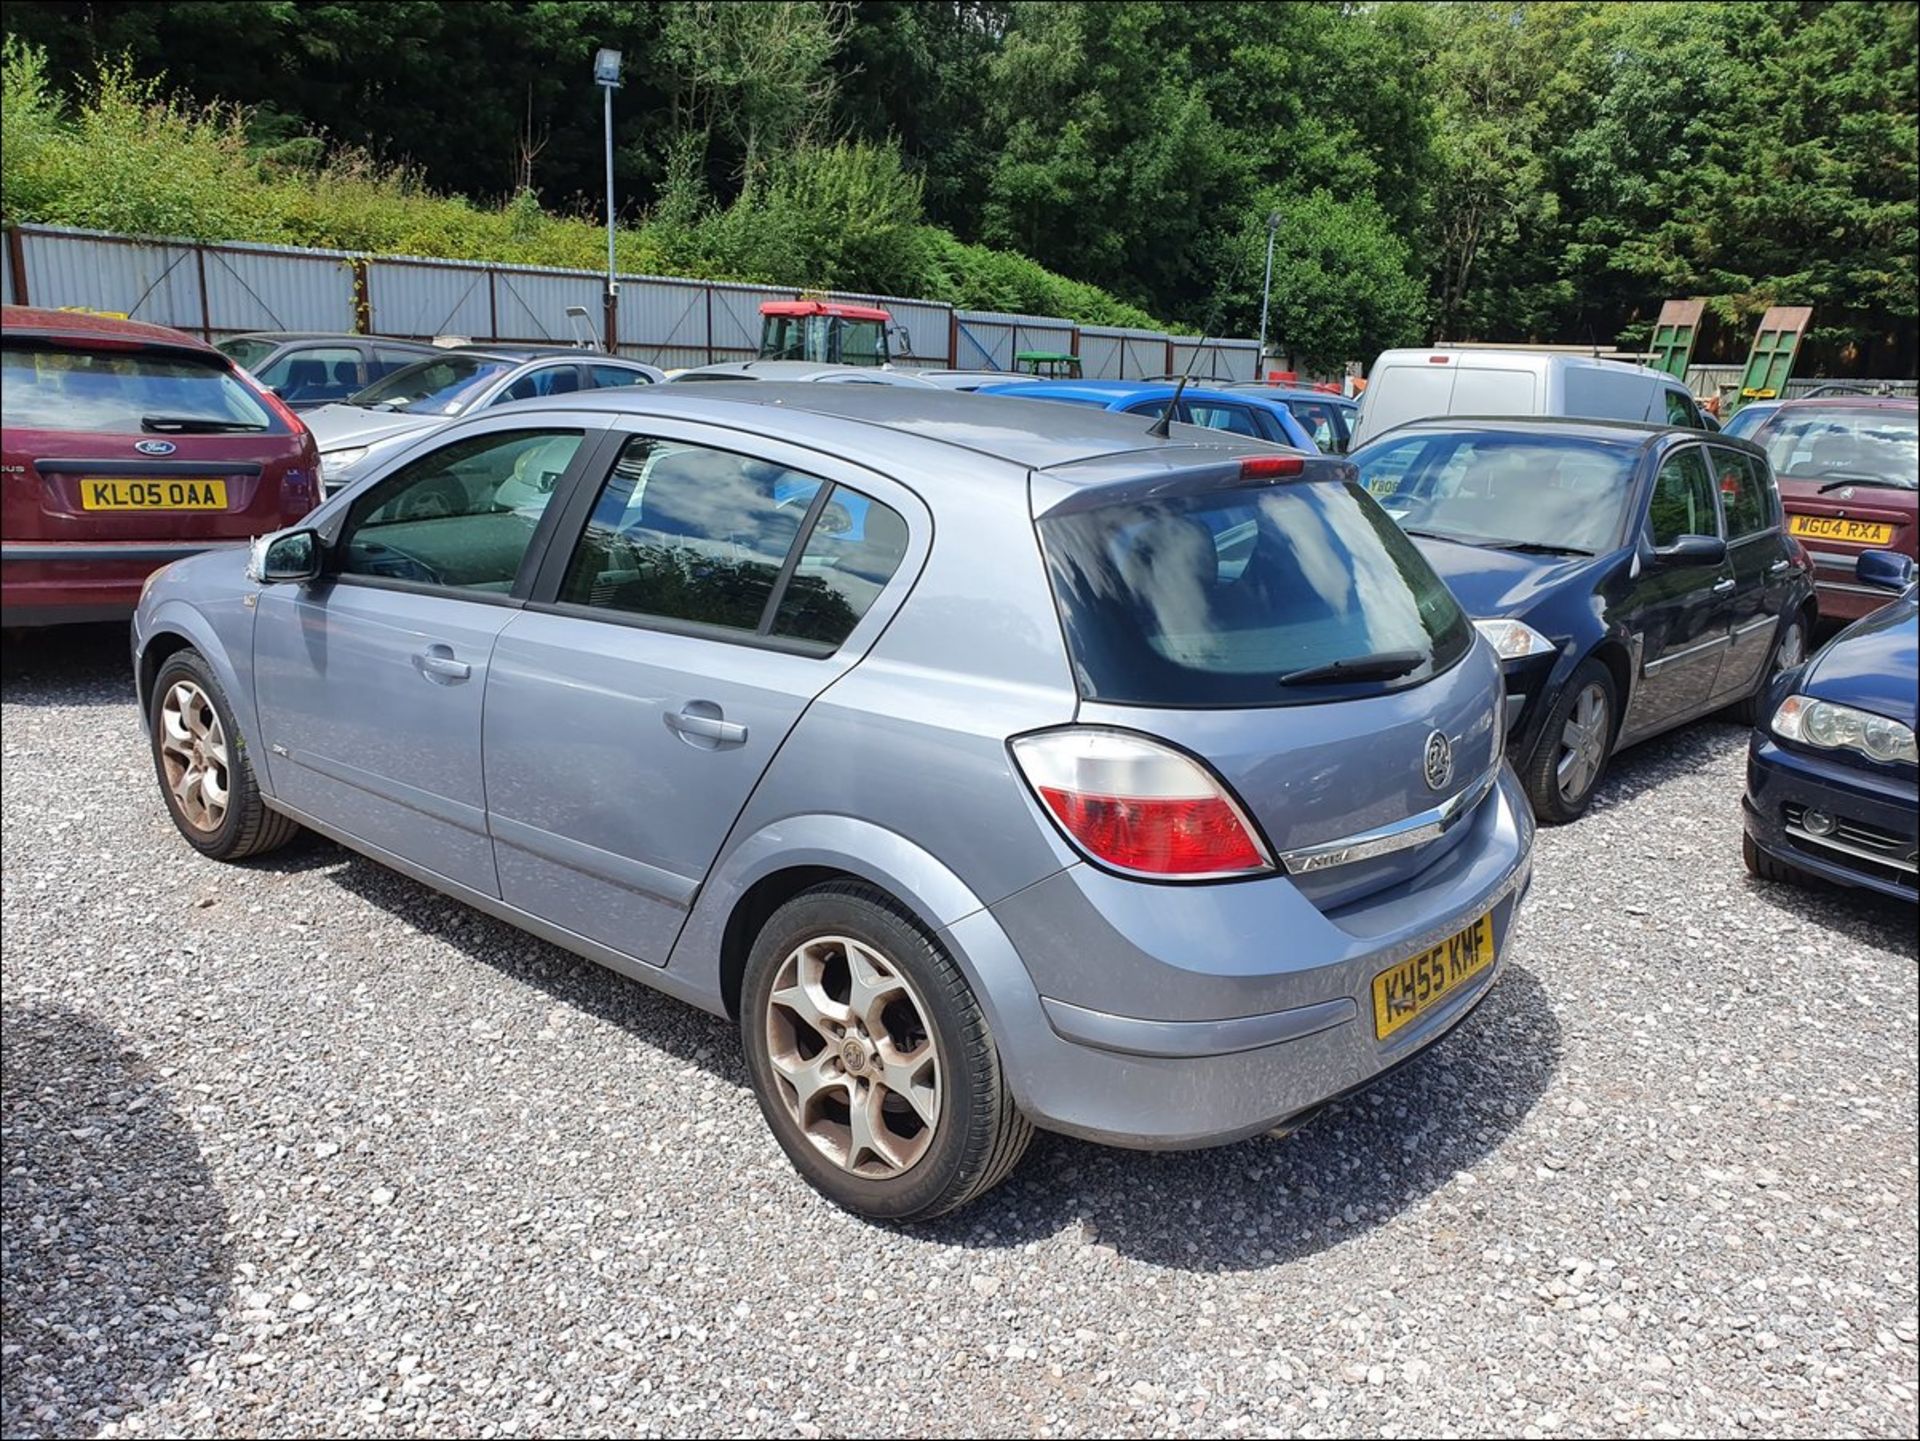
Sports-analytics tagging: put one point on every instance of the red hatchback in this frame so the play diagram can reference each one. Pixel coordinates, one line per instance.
(124, 446)
(1848, 468)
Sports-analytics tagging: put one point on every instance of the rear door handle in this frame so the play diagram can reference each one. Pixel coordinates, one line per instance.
(437, 663)
(700, 724)
(1778, 566)
(1721, 587)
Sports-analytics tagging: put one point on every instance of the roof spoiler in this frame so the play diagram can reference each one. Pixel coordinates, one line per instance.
(1055, 494)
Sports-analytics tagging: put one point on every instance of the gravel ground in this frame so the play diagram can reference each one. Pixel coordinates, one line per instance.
(301, 1147)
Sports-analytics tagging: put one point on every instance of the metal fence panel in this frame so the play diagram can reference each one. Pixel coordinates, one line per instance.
(157, 281)
(422, 299)
(531, 305)
(665, 323)
(1219, 360)
(6, 272)
(269, 288)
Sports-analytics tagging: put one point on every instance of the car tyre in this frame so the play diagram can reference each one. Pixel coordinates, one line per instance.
(1764, 867)
(200, 757)
(872, 1060)
(1570, 758)
(1789, 649)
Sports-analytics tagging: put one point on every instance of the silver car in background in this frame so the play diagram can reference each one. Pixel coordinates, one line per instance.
(993, 765)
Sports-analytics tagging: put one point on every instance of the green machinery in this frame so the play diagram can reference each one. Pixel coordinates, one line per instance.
(1775, 345)
(1674, 334)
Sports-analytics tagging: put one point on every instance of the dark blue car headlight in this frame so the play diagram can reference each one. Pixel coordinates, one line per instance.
(1831, 726)
(1514, 639)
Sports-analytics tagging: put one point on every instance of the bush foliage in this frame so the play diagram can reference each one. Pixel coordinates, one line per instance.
(125, 156)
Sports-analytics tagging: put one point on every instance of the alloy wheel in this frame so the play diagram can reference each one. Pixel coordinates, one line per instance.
(856, 1060)
(1583, 744)
(193, 753)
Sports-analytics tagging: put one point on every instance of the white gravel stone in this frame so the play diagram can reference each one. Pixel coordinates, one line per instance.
(588, 1231)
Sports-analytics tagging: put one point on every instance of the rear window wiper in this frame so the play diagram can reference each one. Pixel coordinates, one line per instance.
(195, 424)
(1384, 666)
(1884, 482)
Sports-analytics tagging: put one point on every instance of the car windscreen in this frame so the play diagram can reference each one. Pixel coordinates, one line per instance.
(1865, 444)
(246, 350)
(1524, 492)
(444, 385)
(124, 392)
(1248, 596)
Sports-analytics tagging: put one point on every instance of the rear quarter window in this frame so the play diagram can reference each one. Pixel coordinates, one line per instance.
(45, 388)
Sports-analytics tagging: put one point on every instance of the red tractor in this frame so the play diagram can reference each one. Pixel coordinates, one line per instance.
(828, 332)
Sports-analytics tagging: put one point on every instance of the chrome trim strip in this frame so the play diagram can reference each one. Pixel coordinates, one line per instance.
(1754, 625)
(1384, 840)
(1854, 589)
(1801, 834)
(1654, 665)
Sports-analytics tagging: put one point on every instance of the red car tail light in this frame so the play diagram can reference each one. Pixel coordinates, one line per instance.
(1140, 806)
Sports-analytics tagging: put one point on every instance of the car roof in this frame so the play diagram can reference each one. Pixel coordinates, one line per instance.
(879, 421)
(294, 337)
(1637, 434)
(532, 352)
(77, 327)
(1497, 358)
(1289, 392)
(1848, 402)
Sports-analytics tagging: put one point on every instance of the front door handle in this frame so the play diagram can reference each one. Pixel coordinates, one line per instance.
(437, 664)
(1778, 566)
(701, 724)
(1721, 587)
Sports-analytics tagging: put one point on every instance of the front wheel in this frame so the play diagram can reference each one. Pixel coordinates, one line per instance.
(202, 764)
(1571, 755)
(871, 1059)
(1763, 867)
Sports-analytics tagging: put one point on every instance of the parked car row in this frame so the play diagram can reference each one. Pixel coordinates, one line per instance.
(975, 752)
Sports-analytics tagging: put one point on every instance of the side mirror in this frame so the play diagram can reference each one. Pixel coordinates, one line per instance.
(291, 555)
(902, 342)
(1692, 550)
(1885, 569)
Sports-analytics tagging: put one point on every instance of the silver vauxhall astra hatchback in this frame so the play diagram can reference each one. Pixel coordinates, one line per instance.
(993, 765)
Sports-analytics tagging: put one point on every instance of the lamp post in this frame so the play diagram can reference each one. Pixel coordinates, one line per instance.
(1266, 288)
(606, 74)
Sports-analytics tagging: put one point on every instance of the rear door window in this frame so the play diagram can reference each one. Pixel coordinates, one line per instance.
(123, 392)
(317, 372)
(1217, 415)
(1682, 502)
(1744, 493)
(1681, 410)
(1239, 596)
(547, 380)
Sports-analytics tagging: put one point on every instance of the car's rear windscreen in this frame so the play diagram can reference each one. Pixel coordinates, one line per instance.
(1248, 596)
(50, 388)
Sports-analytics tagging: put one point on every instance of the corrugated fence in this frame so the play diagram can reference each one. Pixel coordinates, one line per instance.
(215, 290)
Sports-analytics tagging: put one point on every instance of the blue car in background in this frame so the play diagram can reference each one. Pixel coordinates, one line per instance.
(1238, 412)
(1831, 788)
(1749, 418)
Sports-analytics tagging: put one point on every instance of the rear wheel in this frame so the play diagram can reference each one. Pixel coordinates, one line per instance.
(1575, 742)
(871, 1059)
(1788, 651)
(201, 761)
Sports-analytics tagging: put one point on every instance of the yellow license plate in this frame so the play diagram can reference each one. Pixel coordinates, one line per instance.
(1404, 993)
(183, 494)
(1831, 527)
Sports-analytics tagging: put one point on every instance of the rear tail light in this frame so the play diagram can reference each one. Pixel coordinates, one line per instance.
(1797, 552)
(1140, 806)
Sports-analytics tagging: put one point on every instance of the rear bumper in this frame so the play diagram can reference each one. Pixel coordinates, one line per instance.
(1205, 1071)
(63, 582)
(1782, 783)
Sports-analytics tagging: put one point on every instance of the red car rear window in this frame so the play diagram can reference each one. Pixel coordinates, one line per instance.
(118, 391)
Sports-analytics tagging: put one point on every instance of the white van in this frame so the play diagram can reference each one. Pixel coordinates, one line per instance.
(1421, 384)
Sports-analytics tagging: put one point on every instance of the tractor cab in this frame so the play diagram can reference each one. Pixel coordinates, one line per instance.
(828, 332)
